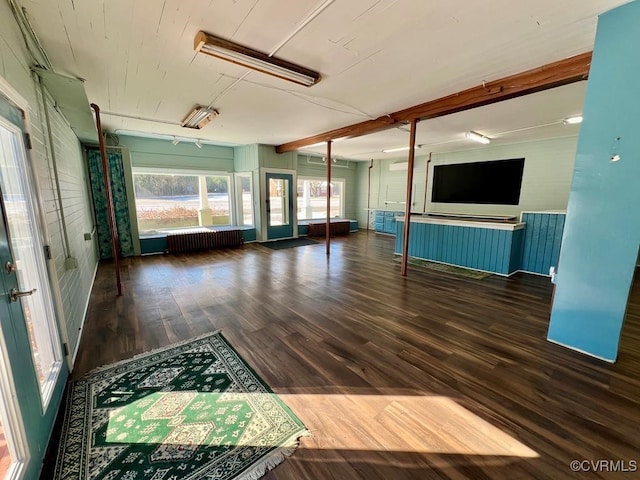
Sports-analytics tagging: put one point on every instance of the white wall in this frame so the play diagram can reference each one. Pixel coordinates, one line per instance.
(71, 287)
(546, 180)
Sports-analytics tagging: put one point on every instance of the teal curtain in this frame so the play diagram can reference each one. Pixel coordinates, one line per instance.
(120, 204)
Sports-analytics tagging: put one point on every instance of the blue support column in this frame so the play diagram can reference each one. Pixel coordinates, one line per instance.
(602, 230)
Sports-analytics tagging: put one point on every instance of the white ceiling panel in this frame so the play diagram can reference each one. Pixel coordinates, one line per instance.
(375, 57)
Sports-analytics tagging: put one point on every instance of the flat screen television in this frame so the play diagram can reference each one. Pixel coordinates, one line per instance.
(496, 182)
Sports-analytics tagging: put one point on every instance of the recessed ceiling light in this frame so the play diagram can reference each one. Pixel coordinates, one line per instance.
(477, 137)
(573, 120)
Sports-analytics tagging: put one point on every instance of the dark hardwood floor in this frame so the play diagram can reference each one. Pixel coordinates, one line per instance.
(430, 376)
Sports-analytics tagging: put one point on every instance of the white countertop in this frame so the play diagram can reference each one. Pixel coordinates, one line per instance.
(465, 223)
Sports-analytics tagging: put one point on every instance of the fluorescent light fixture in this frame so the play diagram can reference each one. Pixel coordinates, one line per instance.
(477, 137)
(573, 120)
(199, 117)
(198, 144)
(247, 57)
(399, 149)
(175, 141)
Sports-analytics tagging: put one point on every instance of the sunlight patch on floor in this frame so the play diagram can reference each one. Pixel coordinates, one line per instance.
(420, 424)
(394, 423)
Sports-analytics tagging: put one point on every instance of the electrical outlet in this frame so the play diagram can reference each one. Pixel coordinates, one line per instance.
(87, 236)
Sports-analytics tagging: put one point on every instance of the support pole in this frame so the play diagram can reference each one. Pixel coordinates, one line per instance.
(426, 183)
(328, 228)
(369, 194)
(110, 212)
(407, 214)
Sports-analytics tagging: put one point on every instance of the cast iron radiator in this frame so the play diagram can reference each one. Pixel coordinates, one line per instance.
(339, 227)
(202, 239)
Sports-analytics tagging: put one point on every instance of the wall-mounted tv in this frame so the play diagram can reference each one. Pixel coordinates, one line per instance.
(496, 182)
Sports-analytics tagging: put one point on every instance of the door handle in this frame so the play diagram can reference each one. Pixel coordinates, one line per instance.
(16, 294)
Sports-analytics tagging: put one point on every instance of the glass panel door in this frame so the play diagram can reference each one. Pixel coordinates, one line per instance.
(30, 296)
(279, 205)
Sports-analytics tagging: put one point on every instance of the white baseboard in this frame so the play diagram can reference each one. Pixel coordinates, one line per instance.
(84, 317)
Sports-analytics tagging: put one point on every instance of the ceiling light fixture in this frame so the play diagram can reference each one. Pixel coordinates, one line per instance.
(199, 117)
(175, 141)
(399, 149)
(573, 120)
(247, 57)
(477, 137)
(198, 144)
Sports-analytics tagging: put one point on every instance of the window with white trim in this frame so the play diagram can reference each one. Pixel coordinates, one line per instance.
(244, 199)
(176, 199)
(312, 198)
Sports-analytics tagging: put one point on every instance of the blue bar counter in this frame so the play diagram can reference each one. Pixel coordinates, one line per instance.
(494, 247)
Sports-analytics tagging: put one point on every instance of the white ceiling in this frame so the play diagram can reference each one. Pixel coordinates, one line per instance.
(375, 57)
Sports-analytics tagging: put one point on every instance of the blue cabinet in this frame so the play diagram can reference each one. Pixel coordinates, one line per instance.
(385, 221)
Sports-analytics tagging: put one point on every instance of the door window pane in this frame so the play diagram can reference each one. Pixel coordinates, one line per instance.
(278, 202)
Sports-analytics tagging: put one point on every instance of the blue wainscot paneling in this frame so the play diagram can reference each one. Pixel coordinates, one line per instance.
(542, 240)
(491, 247)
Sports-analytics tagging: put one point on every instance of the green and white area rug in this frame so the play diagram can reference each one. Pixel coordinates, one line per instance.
(194, 410)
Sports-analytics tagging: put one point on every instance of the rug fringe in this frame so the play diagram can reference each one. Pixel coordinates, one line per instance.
(150, 352)
(271, 461)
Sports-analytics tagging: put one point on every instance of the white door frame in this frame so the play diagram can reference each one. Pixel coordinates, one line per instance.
(264, 193)
(14, 96)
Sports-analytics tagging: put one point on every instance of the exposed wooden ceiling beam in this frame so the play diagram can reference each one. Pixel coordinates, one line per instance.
(563, 72)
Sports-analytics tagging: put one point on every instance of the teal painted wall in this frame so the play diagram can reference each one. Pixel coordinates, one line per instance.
(602, 229)
(151, 152)
(245, 158)
(268, 158)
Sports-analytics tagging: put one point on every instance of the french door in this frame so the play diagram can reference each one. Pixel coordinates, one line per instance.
(31, 366)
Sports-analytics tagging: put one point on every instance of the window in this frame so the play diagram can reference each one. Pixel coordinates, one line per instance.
(312, 198)
(244, 199)
(168, 200)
